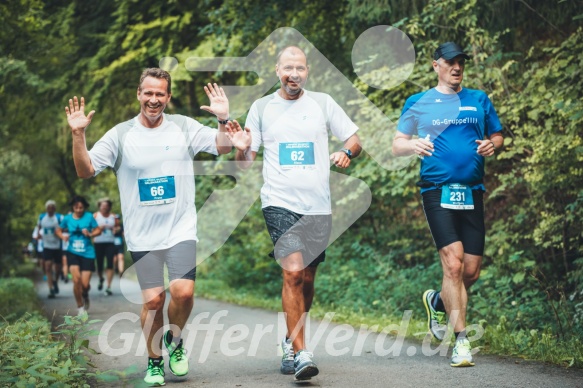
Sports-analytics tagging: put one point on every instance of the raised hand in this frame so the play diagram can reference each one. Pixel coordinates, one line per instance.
(240, 138)
(219, 102)
(76, 115)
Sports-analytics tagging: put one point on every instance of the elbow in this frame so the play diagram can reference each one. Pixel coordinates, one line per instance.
(224, 150)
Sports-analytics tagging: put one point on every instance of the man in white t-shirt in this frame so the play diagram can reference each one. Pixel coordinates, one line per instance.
(152, 155)
(292, 124)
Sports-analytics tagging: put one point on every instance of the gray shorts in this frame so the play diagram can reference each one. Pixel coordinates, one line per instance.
(292, 232)
(180, 260)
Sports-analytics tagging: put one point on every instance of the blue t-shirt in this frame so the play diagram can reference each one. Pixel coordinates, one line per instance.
(79, 244)
(454, 122)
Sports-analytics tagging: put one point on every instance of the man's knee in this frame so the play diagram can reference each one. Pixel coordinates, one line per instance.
(452, 259)
(293, 279)
(156, 303)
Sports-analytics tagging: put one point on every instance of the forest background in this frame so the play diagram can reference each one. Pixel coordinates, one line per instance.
(526, 54)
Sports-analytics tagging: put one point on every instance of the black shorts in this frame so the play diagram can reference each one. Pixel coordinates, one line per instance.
(119, 249)
(450, 225)
(84, 263)
(292, 232)
(106, 250)
(54, 255)
(180, 260)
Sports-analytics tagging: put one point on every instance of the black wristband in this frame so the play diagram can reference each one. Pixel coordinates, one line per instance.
(223, 121)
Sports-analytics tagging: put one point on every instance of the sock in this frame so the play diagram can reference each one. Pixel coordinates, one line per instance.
(437, 302)
(156, 361)
(460, 335)
(171, 338)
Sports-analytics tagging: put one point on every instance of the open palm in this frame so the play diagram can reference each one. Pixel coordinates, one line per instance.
(219, 103)
(76, 115)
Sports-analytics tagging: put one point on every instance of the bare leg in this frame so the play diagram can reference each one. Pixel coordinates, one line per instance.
(150, 326)
(309, 278)
(77, 286)
(181, 302)
(293, 300)
(453, 292)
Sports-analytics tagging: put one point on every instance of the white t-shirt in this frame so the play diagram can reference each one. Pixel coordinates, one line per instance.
(48, 224)
(156, 180)
(107, 224)
(296, 162)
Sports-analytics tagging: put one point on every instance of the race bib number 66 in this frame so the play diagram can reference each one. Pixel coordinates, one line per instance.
(157, 191)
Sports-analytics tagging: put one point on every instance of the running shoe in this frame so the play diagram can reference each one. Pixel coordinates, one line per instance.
(154, 374)
(287, 360)
(108, 291)
(435, 319)
(100, 286)
(51, 295)
(304, 366)
(178, 361)
(81, 311)
(86, 300)
(56, 287)
(462, 353)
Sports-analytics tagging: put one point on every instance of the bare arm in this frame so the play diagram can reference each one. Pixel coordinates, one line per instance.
(340, 158)
(78, 123)
(219, 106)
(59, 234)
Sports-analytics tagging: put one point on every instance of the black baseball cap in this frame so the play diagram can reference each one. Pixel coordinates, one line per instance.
(449, 50)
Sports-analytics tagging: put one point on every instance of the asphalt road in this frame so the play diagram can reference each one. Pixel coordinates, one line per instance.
(234, 346)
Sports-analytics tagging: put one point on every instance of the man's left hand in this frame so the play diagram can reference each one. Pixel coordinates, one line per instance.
(485, 147)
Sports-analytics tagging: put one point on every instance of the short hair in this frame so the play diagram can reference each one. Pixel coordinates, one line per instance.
(106, 200)
(79, 199)
(287, 48)
(156, 73)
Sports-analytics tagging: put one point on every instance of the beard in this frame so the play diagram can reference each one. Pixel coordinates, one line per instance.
(288, 89)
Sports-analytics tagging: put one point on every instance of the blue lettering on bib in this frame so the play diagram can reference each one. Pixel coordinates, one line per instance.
(297, 155)
(457, 196)
(157, 191)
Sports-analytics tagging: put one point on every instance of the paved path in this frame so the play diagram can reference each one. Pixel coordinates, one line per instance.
(237, 346)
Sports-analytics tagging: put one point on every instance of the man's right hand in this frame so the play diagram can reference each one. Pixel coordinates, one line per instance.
(76, 116)
(421, 147)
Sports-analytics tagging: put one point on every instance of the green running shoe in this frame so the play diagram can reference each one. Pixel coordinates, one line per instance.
(462, 353)
(436, 321)
(178, 362)
(155, 374)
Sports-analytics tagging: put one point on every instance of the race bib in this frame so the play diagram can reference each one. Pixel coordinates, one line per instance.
(117, 241)
(297, 155)
(457, 196)
(157, 191)
(78, 245)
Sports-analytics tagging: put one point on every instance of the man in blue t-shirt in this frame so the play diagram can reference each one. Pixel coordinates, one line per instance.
(452, 129)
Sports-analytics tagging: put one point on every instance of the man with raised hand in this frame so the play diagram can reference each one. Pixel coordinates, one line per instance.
(452, 129)
(292, 124)
(152, 155)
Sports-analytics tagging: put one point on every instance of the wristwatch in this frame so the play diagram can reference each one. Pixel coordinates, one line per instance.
(347, 152)
(224, 122)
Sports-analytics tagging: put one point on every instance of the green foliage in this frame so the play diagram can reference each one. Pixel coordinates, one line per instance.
(17, 298)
